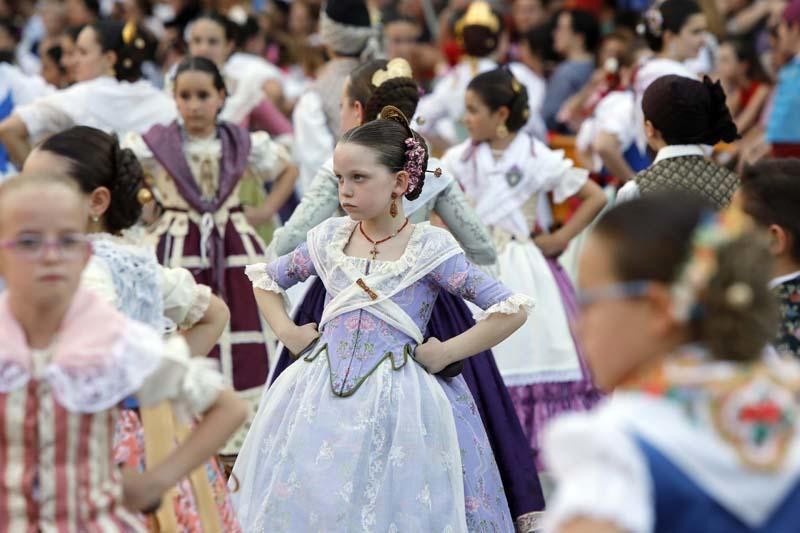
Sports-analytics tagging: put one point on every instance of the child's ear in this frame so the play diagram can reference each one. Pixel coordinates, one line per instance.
(662, 305)
(360, 110)
(401, 183)
(780, 241)
(99, 202)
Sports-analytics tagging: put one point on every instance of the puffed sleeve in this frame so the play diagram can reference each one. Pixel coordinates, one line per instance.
(45, 116)
(557, 173)
(309, 124)
(190, 384)
(600, 473)
(320, 201)
(628, 192)
(267, 157)
(135, 143)
(461, 278)
(463, 223)
(282, 273)
(185, 300)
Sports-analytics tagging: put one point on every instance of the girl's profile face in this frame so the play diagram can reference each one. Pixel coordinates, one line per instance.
(90, 61)
(53, 214)
(692, 37)
(198, 101)
(349, 114)
(365, 185)
(615, 332)
(480, 121)
(207, 39)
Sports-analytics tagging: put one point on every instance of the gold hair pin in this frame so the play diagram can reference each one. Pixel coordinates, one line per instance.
(129, 32)
(396, 68)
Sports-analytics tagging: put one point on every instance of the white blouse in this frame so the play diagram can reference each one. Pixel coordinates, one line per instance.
(104, 103)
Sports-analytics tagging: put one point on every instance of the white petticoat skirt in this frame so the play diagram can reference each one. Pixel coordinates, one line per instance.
(543, 350)
(384, 459)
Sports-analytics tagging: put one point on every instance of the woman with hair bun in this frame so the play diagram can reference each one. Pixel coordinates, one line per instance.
(675, 31)
(369, 89)
(505, 175)
(110, 94)
(681, 116)
(360, 432)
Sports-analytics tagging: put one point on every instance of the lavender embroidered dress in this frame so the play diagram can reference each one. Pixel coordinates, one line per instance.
(357, 436)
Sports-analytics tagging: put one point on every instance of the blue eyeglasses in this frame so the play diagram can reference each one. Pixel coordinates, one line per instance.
(616, 291)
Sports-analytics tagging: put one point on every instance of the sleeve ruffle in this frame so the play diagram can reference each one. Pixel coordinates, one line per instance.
(260, 278)
(509, 306)
(191, 384)
(600, 474)
(200, 303)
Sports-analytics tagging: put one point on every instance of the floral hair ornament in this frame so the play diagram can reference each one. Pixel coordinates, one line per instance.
(653, 21)
(712, 233)
(415, 163)
(396, 68)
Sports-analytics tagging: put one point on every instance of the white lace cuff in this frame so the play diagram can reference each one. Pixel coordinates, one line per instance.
(200, 303)
(258, 276)
(260, 279)
(509, 306)
(191, 384)
(600, 474)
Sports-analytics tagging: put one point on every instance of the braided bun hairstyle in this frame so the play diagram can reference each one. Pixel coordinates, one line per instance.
(387, 137)
(96, 160)
(132, 44)
(688, 111)
(499, 88)
(402, 93)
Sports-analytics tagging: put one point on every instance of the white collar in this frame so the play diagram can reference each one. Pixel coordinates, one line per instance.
(678, 150)
(780, 280)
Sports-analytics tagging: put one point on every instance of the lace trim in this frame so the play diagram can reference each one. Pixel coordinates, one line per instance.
(529, 522)
(509, 306)
(343, 232)
(12, 376)
(202, 299)
(90, 390)
(260, 278)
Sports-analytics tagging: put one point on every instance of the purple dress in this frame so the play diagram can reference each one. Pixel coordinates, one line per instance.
(357, 435)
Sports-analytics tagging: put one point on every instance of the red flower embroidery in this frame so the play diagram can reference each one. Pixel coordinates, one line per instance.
(765, 412)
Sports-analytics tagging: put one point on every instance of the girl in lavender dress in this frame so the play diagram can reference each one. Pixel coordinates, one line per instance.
(359, 434)
(506, 174)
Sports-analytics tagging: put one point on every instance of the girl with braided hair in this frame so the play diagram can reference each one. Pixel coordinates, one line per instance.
(127, 275)
(360, 432)
(110, 94)
(368, 89)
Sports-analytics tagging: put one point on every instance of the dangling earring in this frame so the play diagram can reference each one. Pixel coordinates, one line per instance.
(95, 219)
(502, 131)
(393, 207)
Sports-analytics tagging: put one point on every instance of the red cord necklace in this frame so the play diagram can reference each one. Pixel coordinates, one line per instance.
(374, 251)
